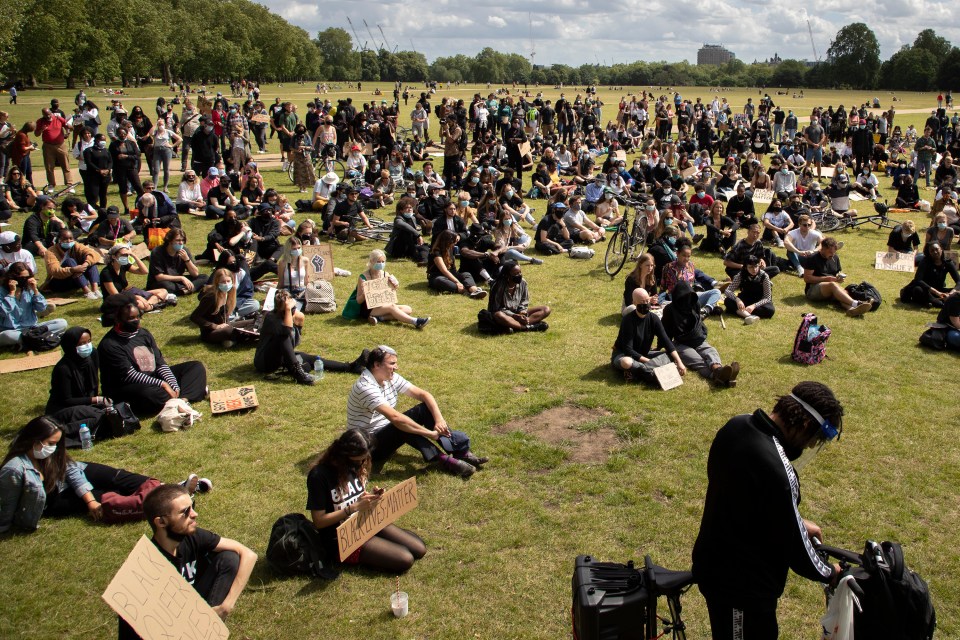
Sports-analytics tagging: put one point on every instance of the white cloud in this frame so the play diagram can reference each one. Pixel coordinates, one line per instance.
(496, 21)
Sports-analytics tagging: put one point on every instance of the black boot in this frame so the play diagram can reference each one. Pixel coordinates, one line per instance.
(301, 376)
(358, 365)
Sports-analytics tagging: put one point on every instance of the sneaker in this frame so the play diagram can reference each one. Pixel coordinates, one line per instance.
(697, 237)
(478, 294)
(750, 319)
(538, 326)
(536, 261)
(373, 320)
(455, 467)
(734, 372)
(780, 244)
(90, 295)
(859, 309)
(716, 311)
(99, 293)
(343, 273)
(285, 166)
(205, 485)
(799, 272)
(628, 375)
(421, 322)
(191, 483)
(723, 374)
(171, 299)
(227, 344)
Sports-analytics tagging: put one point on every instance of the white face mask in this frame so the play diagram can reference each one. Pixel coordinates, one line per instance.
(46, 450)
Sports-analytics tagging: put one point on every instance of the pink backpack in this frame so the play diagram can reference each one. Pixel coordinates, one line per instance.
(810, 345)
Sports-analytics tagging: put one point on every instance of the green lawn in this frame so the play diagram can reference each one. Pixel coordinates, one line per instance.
(502, 544)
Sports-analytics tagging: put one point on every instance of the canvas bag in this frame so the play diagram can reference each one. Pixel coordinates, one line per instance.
(319, 297)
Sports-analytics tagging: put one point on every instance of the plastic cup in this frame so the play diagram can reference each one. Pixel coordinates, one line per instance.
(399, 603)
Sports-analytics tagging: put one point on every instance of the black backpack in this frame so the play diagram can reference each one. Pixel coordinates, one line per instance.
(896, 602)
(295, 548)
(40, 338)
(865, 291)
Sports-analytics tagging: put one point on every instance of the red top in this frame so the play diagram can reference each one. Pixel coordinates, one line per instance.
(51, 131)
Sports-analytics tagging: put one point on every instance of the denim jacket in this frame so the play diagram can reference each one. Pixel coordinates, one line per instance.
(18, 314)
(22, 496)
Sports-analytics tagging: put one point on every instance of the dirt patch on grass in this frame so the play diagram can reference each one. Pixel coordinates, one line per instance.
(558, 426)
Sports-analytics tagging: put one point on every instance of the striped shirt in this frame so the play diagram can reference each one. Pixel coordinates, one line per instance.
(366, 395)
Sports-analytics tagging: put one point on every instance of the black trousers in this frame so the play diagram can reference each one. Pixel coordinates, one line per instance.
(104, 479)
(216, 572)
(756, 621)
(148, 399)
(175, 287)
(387, 440)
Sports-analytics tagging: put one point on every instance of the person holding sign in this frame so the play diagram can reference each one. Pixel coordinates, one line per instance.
(337, 488)
(631, 351)
(217, 568)
(357, 308)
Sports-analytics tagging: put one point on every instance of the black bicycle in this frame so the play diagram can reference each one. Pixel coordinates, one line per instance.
(833, 221)
(629, 241)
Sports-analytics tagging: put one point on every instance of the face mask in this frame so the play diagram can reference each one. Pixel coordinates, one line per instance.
(776, 209)
(48, 212)
(941, 225)
(700, 194)
(66, 246)
(509, 193)
(101, 144)
(663, 165)
(507, 222)
(643, 309)
(637, 166)
(130, 326)
(45, 451)
(608, 196)
(208, 129)
(474, 180)
(178, 246)
(379, 266)
(516, 278)
(296, 253)
(225, 287)
(671, 241)
(650, 207)
(123, 261)
(84, 350)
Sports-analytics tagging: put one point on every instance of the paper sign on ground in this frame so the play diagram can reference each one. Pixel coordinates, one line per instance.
(157, 602)
(26, 363)
(360, 527)
(764, 195)
(233, 399)
(857, 197)
(141, 250)
(890, 261)
(320, 259)
(668, 376)
(61, 302)
(379, 293)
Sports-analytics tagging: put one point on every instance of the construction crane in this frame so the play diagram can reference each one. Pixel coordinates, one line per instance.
(356, 36)
(533, 51)
(372, 38)
(387, 44)
(816, 58)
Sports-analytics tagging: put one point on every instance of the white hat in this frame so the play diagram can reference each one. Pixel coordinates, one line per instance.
(8, 237)
(331, 179)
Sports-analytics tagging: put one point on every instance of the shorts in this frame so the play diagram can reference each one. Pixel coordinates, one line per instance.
(286, 142)
(814, 155)
(815, 293)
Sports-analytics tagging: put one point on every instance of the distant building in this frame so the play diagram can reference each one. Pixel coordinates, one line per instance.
(715, 54)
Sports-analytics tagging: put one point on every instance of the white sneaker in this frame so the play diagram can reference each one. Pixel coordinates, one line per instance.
(285, 166)
(90, 295)
(99, 293)
(171, 297)
(337, 271)
(750, 319)
(71, 190)
(780, 244)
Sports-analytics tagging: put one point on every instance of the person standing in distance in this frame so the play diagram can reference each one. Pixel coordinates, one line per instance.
(752, 482)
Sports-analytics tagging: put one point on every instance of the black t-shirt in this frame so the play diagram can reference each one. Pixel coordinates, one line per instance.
(119, 280)
(163, 262)
(821, 266)
(112, 231)
(323, 494)
(118, 355)
(740, 208)
(273, 334)
(951, 308)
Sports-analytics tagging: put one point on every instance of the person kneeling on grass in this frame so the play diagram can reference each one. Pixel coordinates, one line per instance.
(356, 306)
(371, 407)
(682, 321)
(337, 488)
(510, 302)
(756, 293)
(279, 337)
(631, 352)
(821, 272)
(217, 568)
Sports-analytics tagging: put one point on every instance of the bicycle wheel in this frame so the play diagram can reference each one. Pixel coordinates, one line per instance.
(830, 222)
(290, 172)
(638, 243)
(885, 222)
(402, 134)
(376, 233)
(616, 255)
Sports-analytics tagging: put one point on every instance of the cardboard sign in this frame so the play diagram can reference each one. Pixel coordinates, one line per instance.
(204, 105)
(668, 376)
(28, 363)
(141, 250)
(360, 527)
(320, 259)
(379, 293)
(262, 118)
(764, 195)
(234, 399)
(691, 171)
(620, 154)
(856, 196)
(894, 262)
(61, 302)
(157, 602)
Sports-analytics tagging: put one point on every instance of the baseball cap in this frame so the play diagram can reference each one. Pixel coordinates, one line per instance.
(8, 237)
(213, 172)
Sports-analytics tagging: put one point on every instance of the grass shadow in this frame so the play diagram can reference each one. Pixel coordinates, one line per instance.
(602, 373)
(610, 320)
(243, 373)
(420, 285)
(795, 301)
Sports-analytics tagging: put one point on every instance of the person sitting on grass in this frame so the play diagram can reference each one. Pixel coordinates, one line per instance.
(721, 230)
(406, 238)
(442, 272)
(683, 322)
(217, 568)
(75, 386)
(356, 306)
(642, 277)
(581, 228)
(72, 266)
(929, 284)
(172, 267)
(133, 370)
(950, 316)
(751, 245)
(756, 293)
(551, 235)
(20, 305)
(683, 270)
(216, 306)
(337, 489)
(802, 242)
(113, 230)
(120, 260)
(510, 302)
(371, 408)
(39, 479)
(631, 352)
(903, 238)
(824, 279)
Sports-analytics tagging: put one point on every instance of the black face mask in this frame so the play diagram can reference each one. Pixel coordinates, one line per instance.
(22, 280)
(517, 278)
(234, 267)
(129, 326)
(643, 309)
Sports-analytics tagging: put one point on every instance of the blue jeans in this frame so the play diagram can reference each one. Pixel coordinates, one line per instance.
(709, 298)
(953, 338)
(794, 259)
(85, 279)
(11, 337)
(513, 254)
(925, 164)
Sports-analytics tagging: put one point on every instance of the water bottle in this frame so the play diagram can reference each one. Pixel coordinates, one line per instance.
(318, 368)
(86, 442)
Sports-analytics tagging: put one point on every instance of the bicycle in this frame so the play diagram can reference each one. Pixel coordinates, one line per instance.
(378, 230)
(833, 222)
(625, 245)
(322, 166)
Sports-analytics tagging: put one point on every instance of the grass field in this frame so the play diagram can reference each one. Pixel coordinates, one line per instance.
(502, 544)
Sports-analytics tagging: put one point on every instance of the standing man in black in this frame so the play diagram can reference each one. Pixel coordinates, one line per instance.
(450, 134)
(205, 145)
(861, 144)
(514, 138)
(752, 532)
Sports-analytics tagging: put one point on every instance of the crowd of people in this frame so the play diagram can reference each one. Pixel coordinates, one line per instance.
(472, 228)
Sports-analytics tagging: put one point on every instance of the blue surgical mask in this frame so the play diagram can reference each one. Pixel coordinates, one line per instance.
(701, 194)
(296, 253)
(225, 287)
(671, 241)
(178, 246)
(507, 222)
(941, 225)
(464, 203)
(379, 266)
(123, 260)
(66, 246)
(668, 222)
(84, 350)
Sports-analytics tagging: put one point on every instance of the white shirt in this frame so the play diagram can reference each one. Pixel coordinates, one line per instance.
(23, 256)
(805, 243)
(367, 394)
(187, 194)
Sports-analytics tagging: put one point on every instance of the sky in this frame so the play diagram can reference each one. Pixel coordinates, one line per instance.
(576, 32)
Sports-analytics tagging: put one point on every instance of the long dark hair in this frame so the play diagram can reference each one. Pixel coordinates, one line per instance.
(352, 443)
(443, 246)
(53, 468)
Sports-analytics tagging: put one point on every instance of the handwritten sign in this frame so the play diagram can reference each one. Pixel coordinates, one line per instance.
(261, 118)
(379, 293)
(141, 250)
(689, 172)
(360, 527)
(320, 259)
(157, 602)
(891, 261)
(234, 399)
(763, 195)
(620, 154)
(668, 376)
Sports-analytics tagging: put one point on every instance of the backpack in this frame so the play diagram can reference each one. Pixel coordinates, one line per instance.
(810, 344)
(865, 291)
(319, 297)
(896, 601)
(295, 548)
(581, 253)
(40, 338)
